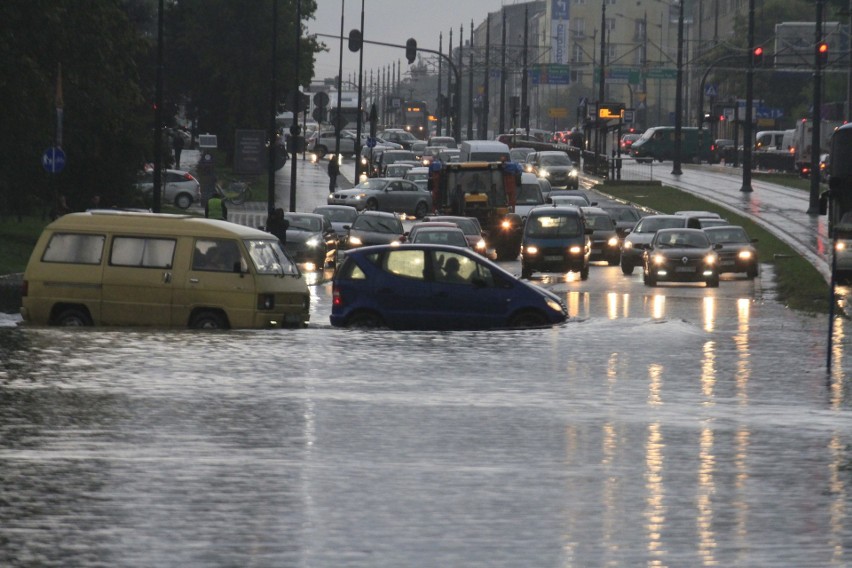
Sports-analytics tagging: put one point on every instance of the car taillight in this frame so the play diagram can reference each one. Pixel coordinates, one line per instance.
(336, 300)
(188, 176)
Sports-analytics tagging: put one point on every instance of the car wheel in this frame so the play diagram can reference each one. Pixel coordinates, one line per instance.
(713, 281)
(183, 200)
(365, 320)
(371, 205)
(752, 272)
(320, 151)
(528, 318)
(421, 210)
(526, 271)
(649, 280)
(73, 317)
(208, 320)
(626, 268)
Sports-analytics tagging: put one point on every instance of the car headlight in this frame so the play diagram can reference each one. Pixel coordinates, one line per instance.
(744, 255)
(572, 173)
(575, 249)
(710, 259)
(480, 245)
(506, 224)
(613, 242)
(840, 246)
(313, 242)
(361, 196)
(658, 259)
(628, 245)
(531, 249)
(543, 173)
(356, 241)
(554, 305)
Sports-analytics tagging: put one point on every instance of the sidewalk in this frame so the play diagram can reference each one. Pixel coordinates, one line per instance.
(779, 209)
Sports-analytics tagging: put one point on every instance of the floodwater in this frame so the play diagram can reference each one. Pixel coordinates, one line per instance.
(670, 428)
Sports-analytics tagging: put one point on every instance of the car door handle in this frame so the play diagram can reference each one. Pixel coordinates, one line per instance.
(167, 277)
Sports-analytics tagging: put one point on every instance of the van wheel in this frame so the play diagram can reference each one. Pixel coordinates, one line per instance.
(365, 320)
(73, 317)
(183, 201)
(528, 318)
(208, 320)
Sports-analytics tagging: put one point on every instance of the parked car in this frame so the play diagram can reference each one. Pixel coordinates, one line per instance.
(555, 239)
(311, 241)
(385, 194)
(738, 253)
(470, 227)
(435, 287)
(641, 235)
(556, 166)
(326, 143)
(437, 233)
(179, 187)
(681, 255)
(605, 242)
(374, 228)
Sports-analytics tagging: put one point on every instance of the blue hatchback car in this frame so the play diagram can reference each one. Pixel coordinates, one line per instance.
(422, 286)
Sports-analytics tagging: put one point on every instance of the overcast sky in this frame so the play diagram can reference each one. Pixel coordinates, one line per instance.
(392, 21)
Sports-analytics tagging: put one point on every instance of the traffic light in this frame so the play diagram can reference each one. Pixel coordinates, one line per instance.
(355, 40)
(757, 56)
(822, 53)
(411, 50)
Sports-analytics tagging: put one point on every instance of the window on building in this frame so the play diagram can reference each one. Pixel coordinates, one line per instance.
(578, 27)
(577, 53)
(610, 24)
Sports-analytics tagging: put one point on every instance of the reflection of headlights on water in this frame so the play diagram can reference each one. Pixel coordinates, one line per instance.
(613, 242)
(744, 255)
(355, 241)
(313, 242)
(531, 250)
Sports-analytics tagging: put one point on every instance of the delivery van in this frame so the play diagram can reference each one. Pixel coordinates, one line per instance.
(122, 268)
(483, 151)
(658, 143)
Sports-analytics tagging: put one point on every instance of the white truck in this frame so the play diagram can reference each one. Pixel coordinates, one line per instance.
(803, 141)
(773, 150)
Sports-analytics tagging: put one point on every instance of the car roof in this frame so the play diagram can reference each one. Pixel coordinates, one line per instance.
(434, 225)
(699, 214)
(322, 207)
(556, 209)
(379, 214)
(594, 210)
(680, 230)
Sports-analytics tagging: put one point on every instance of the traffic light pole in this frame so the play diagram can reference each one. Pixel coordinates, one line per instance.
(456, 73)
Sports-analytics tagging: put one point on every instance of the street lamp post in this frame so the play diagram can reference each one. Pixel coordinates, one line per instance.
(748, 136)
(676, 169)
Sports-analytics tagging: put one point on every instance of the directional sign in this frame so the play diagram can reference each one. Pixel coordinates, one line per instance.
(53, 160)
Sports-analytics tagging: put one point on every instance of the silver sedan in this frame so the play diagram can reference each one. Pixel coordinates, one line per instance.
(385, 194)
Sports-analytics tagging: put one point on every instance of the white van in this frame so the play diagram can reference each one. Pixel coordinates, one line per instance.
(121, 268)
(529, 195)
(483, 151)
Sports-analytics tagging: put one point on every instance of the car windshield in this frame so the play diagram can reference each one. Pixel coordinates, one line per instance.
(654, 224)
(623, 214)
(553, 226)
(378, 224)
(269, 258)
(304, 223)
(436, 236)
(599, 222)
(529, 194)
(728, 235)
(682, 239)
(556, 160)
(375, 184)
(338, 215)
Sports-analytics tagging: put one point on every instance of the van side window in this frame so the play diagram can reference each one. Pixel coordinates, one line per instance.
(75, 248)
(218, 255)
(142, 252)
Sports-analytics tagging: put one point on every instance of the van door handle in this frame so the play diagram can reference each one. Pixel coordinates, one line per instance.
(167, 277)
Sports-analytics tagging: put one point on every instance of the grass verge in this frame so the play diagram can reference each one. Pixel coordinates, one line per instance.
(800, 286)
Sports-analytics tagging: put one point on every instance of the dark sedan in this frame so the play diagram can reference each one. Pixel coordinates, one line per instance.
(374, 228)
(605, 242)
(340, 216)
(435, 287)
(385, 194)
(311, 241)
(681, 255)
(738, 253)
(556, 166)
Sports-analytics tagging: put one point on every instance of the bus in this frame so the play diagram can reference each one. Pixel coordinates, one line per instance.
(415, 118)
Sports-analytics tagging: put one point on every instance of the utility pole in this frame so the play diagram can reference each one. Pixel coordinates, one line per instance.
(487, 80)
(525, 110)
(813, 201)
(470, 86)
(457, 122)
(748, 135)
(295, 129)
(440, 105)
(502, 121)
(358, 127)
(676, 169)
(450, 89)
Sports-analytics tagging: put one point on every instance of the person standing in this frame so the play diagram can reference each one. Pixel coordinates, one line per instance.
(177, 146)
(278, 225)
(216, 208)
(333, 172)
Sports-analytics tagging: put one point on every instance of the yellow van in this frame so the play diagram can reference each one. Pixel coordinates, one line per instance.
(121, 268)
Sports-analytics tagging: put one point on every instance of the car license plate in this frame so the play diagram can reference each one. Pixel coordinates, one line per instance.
(596, 251)
(727, 263)
(553, 257)
(684, 269)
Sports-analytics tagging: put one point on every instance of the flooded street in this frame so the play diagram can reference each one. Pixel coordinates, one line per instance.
(668, 428)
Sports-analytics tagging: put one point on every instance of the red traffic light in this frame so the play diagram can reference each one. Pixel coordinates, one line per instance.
(757, 56)
(822, 52)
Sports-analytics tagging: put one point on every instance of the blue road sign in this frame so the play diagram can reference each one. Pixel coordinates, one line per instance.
(53, 160)
(371, 142)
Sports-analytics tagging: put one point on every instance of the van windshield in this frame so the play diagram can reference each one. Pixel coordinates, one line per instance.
(269, 258)
(553, 226)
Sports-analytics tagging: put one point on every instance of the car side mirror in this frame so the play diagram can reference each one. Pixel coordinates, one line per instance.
(717, 246)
